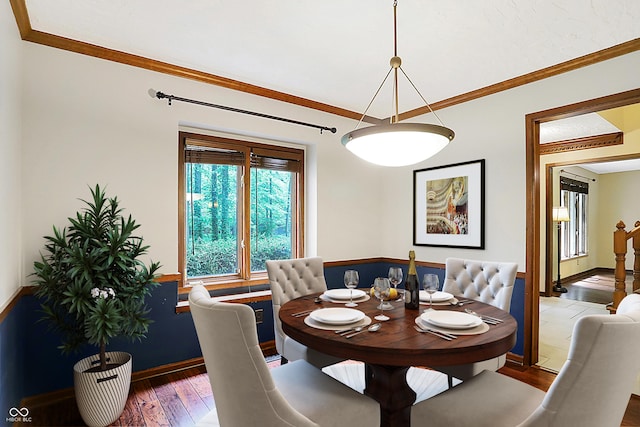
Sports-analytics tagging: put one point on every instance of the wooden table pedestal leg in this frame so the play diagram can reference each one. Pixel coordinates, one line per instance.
(388, 385)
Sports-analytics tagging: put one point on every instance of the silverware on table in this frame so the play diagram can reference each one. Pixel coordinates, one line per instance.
(442, 335)
(347, 331)
(446, 334)
(302, 313)
(355, 333)
(487, 319)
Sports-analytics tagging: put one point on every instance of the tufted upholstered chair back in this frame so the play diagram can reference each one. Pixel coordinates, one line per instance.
(489, 282)
(290, 279)
(238, 373)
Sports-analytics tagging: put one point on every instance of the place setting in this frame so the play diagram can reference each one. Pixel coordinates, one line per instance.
(344, 296)
(451, 323)
(350, 296)
(439, 298)
(341, 319)
(431, 295)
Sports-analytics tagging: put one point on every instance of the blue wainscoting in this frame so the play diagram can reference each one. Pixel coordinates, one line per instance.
(31, 364)
(12, 339)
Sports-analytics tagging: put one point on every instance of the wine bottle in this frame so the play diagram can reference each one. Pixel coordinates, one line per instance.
(411, 286)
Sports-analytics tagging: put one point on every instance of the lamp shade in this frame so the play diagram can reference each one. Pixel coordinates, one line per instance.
(560, 214)
(398, 144)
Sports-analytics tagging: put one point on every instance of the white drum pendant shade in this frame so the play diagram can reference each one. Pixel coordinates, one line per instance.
(399, 144)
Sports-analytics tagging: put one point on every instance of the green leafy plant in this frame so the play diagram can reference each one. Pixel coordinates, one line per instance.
(90, 280)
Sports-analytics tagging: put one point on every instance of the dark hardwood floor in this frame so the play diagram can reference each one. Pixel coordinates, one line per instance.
(597, 288)
(182, 398)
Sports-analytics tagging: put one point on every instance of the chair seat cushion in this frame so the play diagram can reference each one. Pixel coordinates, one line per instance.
(425, 382)
(468, 371)
(500, 400)
(293, 350)
(209, 420)
(315, 395)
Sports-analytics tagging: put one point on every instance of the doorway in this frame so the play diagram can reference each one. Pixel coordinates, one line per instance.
(539, 214)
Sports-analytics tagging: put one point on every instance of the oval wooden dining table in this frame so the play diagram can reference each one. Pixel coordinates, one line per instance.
(391, 351)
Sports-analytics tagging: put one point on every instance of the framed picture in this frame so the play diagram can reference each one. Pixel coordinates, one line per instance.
(448, 205)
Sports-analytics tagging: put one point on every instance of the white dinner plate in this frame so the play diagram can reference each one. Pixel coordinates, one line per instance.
(438, 296)
(451, 319)
(337, 315)
(344, 293)
(362, 298)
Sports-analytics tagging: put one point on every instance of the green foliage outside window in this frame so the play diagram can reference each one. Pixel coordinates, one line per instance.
(212, 224)
(220, 257)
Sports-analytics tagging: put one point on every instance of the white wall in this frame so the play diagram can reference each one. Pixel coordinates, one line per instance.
(620, 202)
(493, 128)
(10, 158)
(88, 120)
(91, 121)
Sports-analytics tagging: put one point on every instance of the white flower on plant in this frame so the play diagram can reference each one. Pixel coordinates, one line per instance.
(103, 293)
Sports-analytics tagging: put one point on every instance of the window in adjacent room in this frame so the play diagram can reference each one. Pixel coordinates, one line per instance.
(573, 233)
(240, 205)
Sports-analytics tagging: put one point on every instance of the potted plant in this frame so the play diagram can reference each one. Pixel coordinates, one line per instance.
(92, 285)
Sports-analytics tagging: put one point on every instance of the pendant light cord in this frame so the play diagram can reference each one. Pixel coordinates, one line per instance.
(396, 64)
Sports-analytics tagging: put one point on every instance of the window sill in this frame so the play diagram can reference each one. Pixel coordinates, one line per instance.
(243, 298)
(574, 257)
(228, 285)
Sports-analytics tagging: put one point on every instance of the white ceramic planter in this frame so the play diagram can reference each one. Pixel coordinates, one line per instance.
(101, 396)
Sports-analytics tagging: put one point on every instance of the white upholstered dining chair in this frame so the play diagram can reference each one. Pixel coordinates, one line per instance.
(489, 282)
(247, 393)
(290, 279)
(591, 390)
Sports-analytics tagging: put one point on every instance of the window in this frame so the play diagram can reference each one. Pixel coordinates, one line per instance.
(240, 205)
(573, 233)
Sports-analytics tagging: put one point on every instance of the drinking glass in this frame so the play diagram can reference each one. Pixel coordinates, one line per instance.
(381, 287)
(395, 277)
(351, 281)
(430, 284)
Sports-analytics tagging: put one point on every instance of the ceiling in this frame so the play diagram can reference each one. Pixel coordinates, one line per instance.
(613, 167)
(575, 127)
(337, 52)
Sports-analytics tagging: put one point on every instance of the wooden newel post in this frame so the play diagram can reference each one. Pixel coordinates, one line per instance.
(620, 249)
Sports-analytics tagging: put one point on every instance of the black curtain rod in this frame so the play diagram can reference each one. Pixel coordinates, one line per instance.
(579, 176)
(161, 95)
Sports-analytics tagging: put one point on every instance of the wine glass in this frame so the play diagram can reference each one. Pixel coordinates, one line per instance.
(381, 287)
(395, 277)
(430, 284)
(351, 281)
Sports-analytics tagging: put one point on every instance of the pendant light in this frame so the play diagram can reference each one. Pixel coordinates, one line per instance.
(397, 144)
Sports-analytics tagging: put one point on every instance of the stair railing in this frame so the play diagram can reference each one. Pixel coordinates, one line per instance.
(620, 237)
